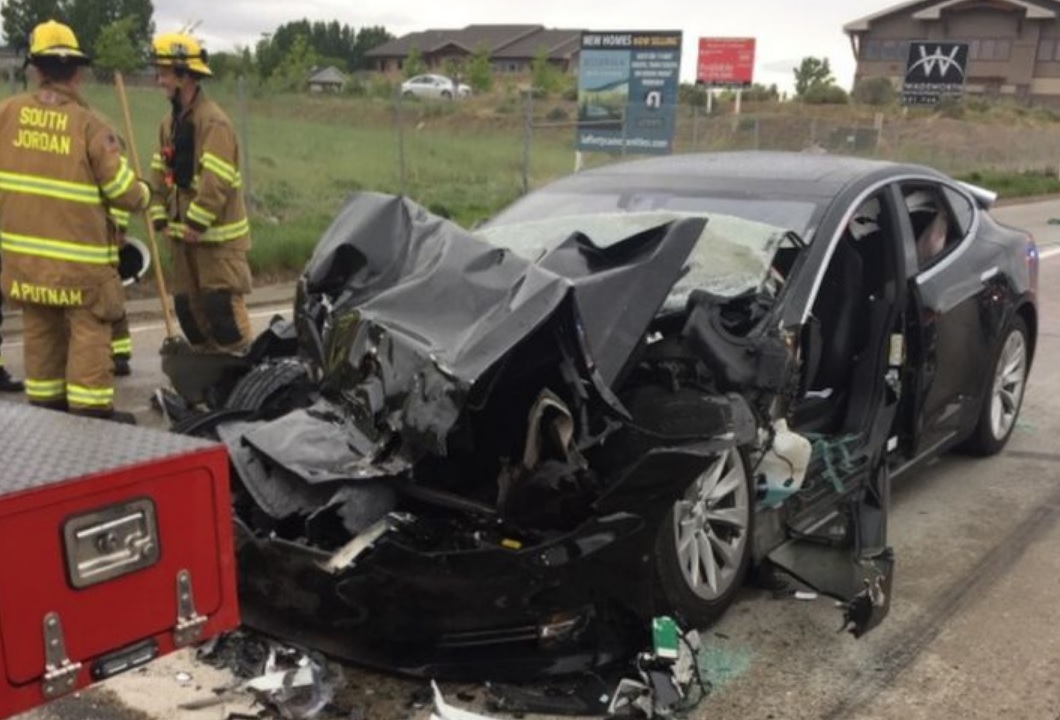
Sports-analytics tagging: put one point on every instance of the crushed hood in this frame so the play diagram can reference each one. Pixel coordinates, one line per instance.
(464, 303)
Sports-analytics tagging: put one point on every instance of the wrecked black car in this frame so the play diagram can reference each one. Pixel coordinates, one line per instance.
(501, 452)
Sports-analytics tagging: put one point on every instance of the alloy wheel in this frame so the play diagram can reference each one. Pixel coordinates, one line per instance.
(711, 527)
(1009, 380)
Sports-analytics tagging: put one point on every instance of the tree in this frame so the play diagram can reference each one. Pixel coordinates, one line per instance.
(368, 38)
(479, 72)
(340, 44)
(454, 68)
(116, 47)
(89, 17)
(812, 72)
(20, 17)
(545, 75)
(293, 70)
(233, 64)
(414, 64)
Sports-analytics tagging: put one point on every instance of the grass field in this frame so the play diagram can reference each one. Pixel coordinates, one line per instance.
(305, 154)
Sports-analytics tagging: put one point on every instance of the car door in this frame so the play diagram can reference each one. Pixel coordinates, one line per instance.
(952, 283)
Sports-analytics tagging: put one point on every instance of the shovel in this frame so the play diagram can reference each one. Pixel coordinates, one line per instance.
(173, 344)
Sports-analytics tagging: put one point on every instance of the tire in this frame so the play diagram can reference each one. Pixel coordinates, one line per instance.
(1003, 392)
(270, 389)
(446, 95)
(716, 516)
(408, 94)
(687, 413)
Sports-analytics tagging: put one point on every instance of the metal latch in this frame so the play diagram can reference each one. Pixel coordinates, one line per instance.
(60, 675)
(110, 542)
(189, 622)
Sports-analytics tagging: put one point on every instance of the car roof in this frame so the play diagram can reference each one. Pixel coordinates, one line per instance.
(810, 175)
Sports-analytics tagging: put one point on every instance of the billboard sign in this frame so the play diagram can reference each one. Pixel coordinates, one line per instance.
(726, 62)
(933, 71)
(627, 91)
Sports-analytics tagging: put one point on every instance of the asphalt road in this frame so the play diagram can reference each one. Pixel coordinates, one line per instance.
(975, 627)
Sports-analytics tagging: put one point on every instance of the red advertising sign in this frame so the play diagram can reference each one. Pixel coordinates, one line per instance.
(726, 61)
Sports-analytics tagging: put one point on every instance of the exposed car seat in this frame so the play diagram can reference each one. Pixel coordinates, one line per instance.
(837, 309)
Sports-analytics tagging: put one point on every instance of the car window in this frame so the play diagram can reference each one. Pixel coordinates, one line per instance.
(962, 208)
(937, 229)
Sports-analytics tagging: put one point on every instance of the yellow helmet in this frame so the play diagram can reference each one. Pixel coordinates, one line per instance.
(180, 51)
(52, 39)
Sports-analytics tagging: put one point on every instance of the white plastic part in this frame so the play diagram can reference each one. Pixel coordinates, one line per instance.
(783, 466)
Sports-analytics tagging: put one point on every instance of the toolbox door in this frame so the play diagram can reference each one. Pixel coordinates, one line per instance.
(105, 555)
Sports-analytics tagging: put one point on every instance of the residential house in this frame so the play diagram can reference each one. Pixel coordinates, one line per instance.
(511, 48)
(327, 80)
(1014, 45)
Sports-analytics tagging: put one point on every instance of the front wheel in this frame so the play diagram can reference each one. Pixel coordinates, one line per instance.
(1003, 394)
(703, 549)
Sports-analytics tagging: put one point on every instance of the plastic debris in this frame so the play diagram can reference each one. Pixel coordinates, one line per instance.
(445, 711)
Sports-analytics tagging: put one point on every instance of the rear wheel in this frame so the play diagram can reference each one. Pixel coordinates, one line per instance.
(1003, 393)
(704, 547)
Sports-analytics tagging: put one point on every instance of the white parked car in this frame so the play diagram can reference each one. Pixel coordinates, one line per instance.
(434, 86)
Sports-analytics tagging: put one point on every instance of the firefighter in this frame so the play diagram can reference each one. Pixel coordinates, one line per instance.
(199, 202)
(7, 383)
(61, 167)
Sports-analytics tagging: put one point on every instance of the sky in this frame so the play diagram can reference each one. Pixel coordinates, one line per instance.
(785, 30)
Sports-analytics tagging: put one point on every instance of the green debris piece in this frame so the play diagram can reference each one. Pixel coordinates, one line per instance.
(720, 665)
(1024, 425)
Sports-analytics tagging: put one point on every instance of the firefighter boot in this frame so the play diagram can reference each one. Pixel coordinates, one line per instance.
(8, 383)
(122, 368)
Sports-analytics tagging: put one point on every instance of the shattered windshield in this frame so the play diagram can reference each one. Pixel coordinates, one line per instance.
(732, 255)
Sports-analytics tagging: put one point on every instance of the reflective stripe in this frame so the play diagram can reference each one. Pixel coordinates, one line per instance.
(217, 233)
(45, 389)
(121, 345)
(59, 249)
(219, 167)
(94, 397)
(120, 217)
(46, 187)
(156, 162)
(157, 212)
(200, 214)
(121, 182)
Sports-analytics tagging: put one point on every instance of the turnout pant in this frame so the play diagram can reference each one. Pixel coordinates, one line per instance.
(67, 357)
(209, 285)
(121, 339)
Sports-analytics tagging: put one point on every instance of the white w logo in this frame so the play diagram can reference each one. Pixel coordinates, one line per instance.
(938, 59)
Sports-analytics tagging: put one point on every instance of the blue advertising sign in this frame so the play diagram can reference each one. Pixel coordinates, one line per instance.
(627, 91)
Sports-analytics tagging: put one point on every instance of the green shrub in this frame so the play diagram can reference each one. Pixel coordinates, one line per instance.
(826, 95)
(878, 91)
(557, 114)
